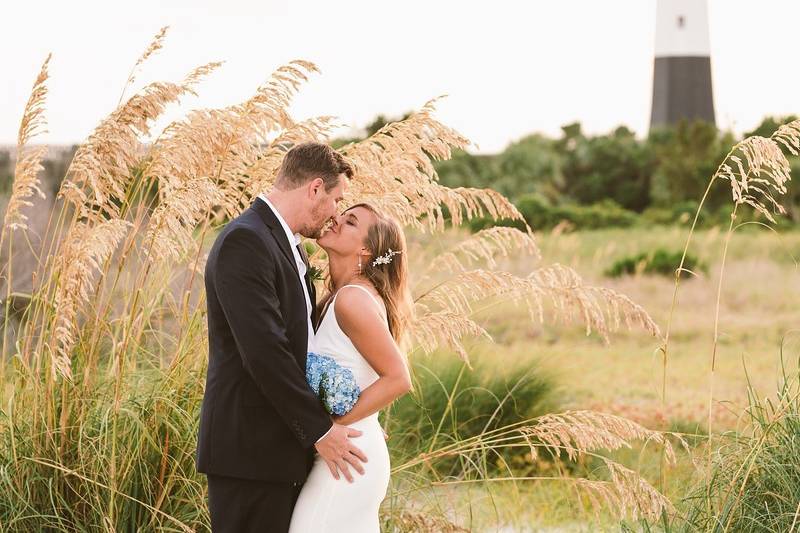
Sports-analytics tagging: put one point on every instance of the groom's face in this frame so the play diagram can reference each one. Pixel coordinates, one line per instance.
(324, 207)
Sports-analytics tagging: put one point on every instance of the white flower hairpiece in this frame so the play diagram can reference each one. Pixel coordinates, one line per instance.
(386, 258)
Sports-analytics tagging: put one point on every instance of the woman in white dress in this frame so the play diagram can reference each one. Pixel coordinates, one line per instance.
(363, 317)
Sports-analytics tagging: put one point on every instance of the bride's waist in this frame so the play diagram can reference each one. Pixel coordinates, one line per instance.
(366, 423)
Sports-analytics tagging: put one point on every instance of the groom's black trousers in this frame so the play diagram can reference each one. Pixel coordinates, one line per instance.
(244, 505)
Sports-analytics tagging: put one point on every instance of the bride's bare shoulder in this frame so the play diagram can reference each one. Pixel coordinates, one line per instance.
(357, 307)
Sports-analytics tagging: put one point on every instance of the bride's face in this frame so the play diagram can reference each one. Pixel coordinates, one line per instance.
(348, 232)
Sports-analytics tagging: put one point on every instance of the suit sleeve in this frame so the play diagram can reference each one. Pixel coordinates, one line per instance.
(246, 291)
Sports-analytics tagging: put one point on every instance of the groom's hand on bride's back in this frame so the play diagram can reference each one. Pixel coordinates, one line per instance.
(340, 453)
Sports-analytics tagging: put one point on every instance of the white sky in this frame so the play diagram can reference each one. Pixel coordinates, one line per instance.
(510, 67)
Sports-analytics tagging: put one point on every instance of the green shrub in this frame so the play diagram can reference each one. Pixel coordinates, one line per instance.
(540, 214)
(659, 261)
(477, 224)
(605, 214)
(450, 402)
(678, 213)
(658, 216)
(537, 211)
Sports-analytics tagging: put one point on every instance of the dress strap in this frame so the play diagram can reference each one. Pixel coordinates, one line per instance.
(379, 304)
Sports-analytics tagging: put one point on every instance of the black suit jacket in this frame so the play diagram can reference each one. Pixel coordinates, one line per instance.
(259, 418)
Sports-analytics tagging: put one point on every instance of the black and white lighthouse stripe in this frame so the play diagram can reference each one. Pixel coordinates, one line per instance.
(682, 87)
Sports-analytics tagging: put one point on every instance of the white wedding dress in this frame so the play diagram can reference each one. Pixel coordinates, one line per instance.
(331, 505)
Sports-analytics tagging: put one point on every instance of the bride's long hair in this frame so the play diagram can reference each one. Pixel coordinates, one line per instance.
(389, 279)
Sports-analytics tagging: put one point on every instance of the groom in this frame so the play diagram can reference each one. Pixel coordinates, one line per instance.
(259, 421)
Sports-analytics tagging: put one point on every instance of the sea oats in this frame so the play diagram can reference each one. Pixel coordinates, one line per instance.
(626, 495)
(394, 171)
(578, 432)
(466, 203)
(444, 328)
(155, 45)
(637, 498)
(80, 257)
(171, 228)
(29, 160)
(104, 165)
(225, 144)
(601, 310)
(487, 245)
(758, 171)
(789, 136)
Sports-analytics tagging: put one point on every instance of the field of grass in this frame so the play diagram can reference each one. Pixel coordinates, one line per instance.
(758, 315)
(758, 311)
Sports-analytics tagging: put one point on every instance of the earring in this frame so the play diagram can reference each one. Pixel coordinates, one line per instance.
(359, 264)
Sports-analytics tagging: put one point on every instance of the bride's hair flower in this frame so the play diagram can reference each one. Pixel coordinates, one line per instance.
(386, 258)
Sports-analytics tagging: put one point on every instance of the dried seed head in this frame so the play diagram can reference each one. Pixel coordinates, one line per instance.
(29, 160)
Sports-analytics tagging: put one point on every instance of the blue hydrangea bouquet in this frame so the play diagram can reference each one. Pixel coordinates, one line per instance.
(335, 385)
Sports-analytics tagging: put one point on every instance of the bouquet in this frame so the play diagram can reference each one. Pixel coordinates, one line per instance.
(335, 385)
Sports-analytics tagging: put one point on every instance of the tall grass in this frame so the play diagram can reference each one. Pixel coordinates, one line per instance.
(758, 173)
(69, 480)
(754, 481)
(100, 395)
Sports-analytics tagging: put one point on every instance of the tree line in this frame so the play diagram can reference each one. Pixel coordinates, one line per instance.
(613, 179)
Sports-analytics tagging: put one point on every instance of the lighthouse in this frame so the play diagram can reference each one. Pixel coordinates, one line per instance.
(682, 75)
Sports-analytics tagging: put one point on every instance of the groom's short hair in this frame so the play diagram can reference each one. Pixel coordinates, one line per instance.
(311, 160)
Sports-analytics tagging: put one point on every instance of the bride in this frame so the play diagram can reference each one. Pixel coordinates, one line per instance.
(363, 318)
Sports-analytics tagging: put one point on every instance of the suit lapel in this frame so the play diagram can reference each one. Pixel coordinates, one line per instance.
(280, 236)
(275, 227)
(272, 222)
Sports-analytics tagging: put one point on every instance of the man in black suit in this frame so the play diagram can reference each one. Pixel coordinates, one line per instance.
(259, 421)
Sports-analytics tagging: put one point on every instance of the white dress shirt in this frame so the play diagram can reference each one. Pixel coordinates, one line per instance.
(294, 240)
